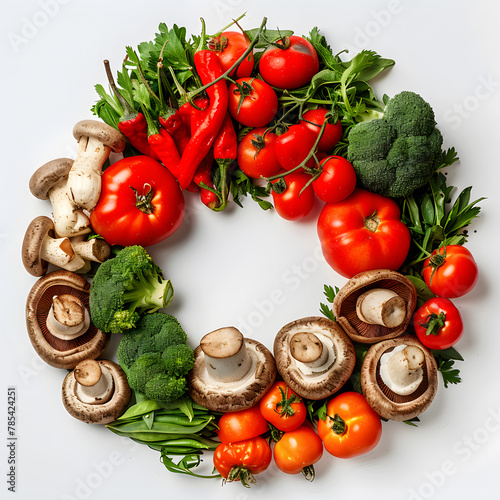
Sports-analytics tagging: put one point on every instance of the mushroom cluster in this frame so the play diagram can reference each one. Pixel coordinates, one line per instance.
(73, 187)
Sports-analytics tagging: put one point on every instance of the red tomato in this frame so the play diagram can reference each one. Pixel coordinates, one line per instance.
(252, 102)
(140, 204)
(298, 450)
(293, 146)
(230, 46)
(450, 271)
(438, 323)
(337, 180)
(351, 427)
(290, 63)
(256, 156)
(239, 461)
(240, 425)
(363, 232)
(281, 407)
(292, 204)
(314, 119)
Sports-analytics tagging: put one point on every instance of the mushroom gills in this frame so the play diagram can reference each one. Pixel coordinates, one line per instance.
(313, 353)
(67, 318)
(401, 369)
(381, 306)
(93, 383)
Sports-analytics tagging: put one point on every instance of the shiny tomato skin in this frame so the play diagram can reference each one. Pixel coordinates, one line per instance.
(230, 46)
(241, 425)
(297, 449)
(253, 454)
(363, 428)
(293, 205)
(313, 119)
(337, 180)
(116, 217)
(257, 108)
(290, 64)
(350, 247)
(256, 156)
(446, 335)
(273, 407)
(293, 146)
(456, 276)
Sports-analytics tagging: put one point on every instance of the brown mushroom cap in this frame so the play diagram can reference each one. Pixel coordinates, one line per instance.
(46, 176)
(238, 395)
(98, 413)
(344, 304)
(323, 383)
(103, 132)
(385, 402)
(55, 351)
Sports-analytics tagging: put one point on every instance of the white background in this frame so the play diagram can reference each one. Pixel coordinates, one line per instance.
(226, 268)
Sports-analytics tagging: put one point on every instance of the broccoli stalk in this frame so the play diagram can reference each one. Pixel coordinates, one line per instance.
(126, 287)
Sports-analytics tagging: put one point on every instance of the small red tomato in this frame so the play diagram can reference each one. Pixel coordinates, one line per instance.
(256, 156)
(252, 102)
(337, 180)
(293, 146)
(230, 46)
(351, 427)
(450, 271)
(298, 450)
(289, 63)
(240, 425)
(314, 119)
(297, 200)
(281, 407)
(438, 323)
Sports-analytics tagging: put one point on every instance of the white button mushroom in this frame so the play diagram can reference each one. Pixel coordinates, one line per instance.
(230, 372)
(96, 140)
(401, 369)
(40, 248)
(49, 182)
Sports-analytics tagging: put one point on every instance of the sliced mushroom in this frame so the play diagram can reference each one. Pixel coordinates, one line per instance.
(314, 356)
(230, 372)
(96, 392)
(95, 249)
(96, 140)
(375, 305)
(41, 248)
(60, 344)
(399, 377)
(49, 182)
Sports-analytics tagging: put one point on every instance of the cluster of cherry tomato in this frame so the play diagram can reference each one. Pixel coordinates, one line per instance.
(350, 428)
(450, 272)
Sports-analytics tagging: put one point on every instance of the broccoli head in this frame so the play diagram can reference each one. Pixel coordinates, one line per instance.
(124, 288)
(156, 357)
(399, 152)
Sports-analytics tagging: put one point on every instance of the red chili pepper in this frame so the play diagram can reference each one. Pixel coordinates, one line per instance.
(173, 123)
(208, 68)
(202, 177)
(132, 124)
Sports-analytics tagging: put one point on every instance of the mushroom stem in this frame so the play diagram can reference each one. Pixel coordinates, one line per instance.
(226, 357)
(381, 306)
(84, 179)
(95, 249)
(401, 369)
(94, 384)
(308, 349)
(67, 318)
(58, 251)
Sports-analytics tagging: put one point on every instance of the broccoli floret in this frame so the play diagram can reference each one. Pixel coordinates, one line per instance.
(156, 357)
(124, 288)
(399, 152)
